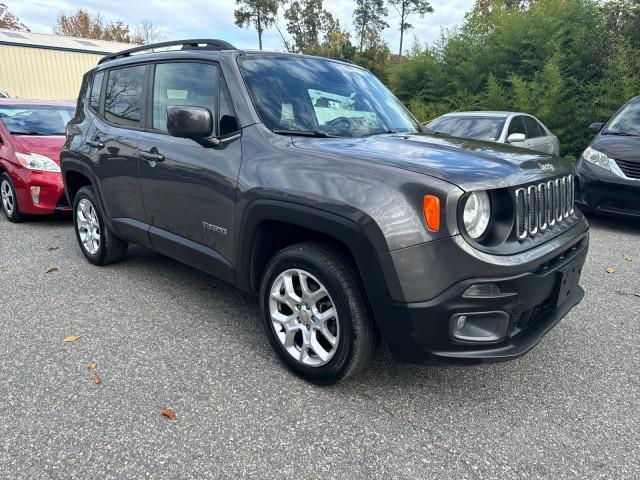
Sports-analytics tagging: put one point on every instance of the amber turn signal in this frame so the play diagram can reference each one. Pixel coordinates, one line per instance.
(431, 205)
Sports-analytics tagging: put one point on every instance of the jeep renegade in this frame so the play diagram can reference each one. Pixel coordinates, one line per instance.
(305, 180)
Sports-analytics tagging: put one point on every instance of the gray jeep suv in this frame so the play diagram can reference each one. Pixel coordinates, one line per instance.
(304, 180)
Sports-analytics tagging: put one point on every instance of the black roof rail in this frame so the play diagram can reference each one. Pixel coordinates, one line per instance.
(192, 44)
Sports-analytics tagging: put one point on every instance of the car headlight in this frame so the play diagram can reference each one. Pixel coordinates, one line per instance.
(477, 213)
(35, 161)
(598, 158)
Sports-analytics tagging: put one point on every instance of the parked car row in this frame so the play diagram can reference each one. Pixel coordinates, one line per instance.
(607, 172)
(32, 134)
(305, 181)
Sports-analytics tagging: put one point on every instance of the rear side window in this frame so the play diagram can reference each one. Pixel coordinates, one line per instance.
(123, 96)
(189, 83)
(517, 126)
(96, 88)
(534, 129)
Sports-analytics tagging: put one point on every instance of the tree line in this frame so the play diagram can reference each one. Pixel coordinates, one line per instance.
(568, 62)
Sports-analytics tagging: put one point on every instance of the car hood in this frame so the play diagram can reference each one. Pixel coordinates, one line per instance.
(469, 164)
(619, 148)
(49, 145)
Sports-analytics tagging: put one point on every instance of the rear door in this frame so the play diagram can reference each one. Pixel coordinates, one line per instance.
(189, 188)
(113, 142)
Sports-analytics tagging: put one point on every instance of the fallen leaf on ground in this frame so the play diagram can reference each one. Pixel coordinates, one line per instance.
(610, 270)
(92, 366)
(97, 380)
(52, 269)
(627, 258)
(52, 248)
(71, 338)
(170, 414)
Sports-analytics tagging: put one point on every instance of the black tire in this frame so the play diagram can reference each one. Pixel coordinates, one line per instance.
(110, 249)
(358, 336)
(15, 216)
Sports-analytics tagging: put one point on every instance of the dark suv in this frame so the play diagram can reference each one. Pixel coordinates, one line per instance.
(304, 180)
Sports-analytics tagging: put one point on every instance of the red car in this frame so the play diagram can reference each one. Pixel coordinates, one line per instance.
(32, 133)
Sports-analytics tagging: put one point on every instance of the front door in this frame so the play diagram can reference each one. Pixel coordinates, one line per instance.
(189, 188)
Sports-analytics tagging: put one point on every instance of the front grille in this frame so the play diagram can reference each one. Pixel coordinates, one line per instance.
(630, 169)
(541, 206)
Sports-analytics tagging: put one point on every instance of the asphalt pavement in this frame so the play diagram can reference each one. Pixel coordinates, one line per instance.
(166, 335)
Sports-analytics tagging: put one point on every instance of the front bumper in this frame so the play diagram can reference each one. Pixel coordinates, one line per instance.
(601, 191)
(51, 198)
(534, 301)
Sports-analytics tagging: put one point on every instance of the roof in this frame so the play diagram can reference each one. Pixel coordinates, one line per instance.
(480, 114)
(23, 101)
(56, 42)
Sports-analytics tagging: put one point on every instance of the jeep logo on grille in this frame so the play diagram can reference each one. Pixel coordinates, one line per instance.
(547, 167)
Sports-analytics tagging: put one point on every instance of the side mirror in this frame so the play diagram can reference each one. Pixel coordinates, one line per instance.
(596, 127)
(189, 122)
(516, 138)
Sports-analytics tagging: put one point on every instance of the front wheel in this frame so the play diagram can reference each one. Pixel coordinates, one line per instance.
(98, 244)
(315, 314)
(9, 199)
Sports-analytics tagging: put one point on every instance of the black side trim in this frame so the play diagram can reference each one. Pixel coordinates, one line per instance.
(132, 230)
(191, 253)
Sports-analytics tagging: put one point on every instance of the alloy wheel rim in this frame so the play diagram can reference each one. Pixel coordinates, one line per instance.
(88, 226)
(8, 202)
(304, 317)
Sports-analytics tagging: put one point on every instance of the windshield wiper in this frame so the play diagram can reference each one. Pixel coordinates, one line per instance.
(303, 133)
(31, 133)
(380, 132)
(621, 134)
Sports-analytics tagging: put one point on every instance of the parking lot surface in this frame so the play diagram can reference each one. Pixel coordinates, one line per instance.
(165, 335)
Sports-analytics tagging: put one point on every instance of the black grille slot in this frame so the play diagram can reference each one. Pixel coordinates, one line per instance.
(630, 169)
(543, 205)
(521, 216)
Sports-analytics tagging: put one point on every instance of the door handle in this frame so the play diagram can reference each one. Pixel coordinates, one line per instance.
(95, 143)
(152, 156)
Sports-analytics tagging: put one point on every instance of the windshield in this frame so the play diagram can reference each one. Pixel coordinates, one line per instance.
(479, 128)
(35, 119)
(322, 96)
(627, 120)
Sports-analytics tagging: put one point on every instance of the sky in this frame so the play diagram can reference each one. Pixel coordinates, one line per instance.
(214, 18)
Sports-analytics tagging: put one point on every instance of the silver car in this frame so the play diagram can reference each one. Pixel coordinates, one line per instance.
(517, 129)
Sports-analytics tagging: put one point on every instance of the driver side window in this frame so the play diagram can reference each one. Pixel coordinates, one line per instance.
(178, 84)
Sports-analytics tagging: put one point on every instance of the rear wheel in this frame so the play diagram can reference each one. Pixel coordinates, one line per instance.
(315, 314)
(8, 199)
(98, 244)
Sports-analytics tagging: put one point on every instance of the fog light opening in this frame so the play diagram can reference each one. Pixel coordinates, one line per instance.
(35, 195)
(480, 326)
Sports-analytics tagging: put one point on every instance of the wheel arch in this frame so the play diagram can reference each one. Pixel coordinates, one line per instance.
(73, 182)
(270, 225)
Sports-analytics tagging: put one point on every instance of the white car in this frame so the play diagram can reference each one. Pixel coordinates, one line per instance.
(517, 129)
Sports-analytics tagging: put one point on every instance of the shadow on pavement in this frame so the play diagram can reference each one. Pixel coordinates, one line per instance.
(613, 223)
